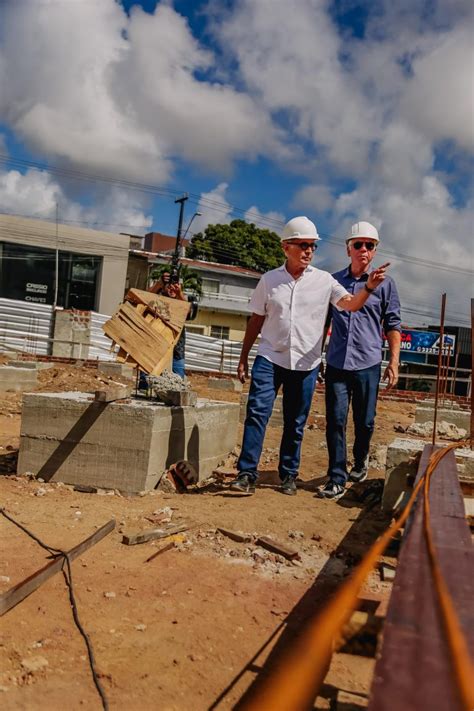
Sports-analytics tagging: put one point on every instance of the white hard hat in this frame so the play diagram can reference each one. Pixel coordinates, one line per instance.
(361, 230)
(300, 228)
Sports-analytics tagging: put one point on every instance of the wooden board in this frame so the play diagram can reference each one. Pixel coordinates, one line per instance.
(276, 547)
(147, 327)
(132, 539)
(19, 592)
(113, 392)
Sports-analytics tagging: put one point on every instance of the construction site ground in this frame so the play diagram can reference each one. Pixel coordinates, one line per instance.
(183, 630)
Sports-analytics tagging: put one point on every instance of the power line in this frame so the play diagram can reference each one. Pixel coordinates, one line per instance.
(216, 205)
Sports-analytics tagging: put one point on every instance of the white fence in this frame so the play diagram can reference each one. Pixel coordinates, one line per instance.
(213, 354)
(25, 326)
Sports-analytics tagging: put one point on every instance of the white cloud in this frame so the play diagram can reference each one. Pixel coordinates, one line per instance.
(86, 83)
(36, 194)
(215, 208)
(439, 100)
(315, 198)
(271, 220)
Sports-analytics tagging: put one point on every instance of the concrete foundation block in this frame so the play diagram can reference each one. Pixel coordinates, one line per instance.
(30, 364)
(18, 379)
(125, 445)
(403, 456)
(122, 369)
(231, 384)
(458, 417)
(276, 419)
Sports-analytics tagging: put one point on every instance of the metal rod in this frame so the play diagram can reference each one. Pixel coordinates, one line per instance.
(438, 374)
(472, 369)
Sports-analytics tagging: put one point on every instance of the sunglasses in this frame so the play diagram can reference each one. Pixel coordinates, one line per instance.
(368, 245)
(305, 245)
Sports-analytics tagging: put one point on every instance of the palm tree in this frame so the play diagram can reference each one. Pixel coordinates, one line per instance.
(190, 280)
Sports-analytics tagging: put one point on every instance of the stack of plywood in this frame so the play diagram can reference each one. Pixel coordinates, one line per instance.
(147, 327)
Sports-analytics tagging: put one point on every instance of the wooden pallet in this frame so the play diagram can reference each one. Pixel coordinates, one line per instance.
(146, 327)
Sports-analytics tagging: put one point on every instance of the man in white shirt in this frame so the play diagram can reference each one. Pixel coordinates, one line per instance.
(289, 308)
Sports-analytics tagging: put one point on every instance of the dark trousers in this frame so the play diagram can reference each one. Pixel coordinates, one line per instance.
(342, 386)
(298, 388)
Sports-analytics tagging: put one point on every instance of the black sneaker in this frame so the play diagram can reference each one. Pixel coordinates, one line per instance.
(358, 474)
(243, 484)
(331, 490)
(288, 486)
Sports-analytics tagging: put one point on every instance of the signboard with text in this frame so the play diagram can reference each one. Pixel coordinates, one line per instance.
(425, 342)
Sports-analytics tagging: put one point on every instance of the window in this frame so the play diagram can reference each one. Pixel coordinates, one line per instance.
(195, 329)
(211, 286)
(28, 274)
(220, 332)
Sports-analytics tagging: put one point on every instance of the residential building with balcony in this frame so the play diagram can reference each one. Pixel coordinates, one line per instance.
(223, 306)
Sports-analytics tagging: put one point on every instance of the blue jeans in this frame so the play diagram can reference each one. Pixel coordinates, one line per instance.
(362, 386)
(178, 367)
(298, 388)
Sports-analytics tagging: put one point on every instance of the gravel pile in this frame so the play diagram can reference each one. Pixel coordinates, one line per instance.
(168, 381)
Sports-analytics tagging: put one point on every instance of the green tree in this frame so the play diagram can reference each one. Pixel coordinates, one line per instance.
(239, 243)
(190, 280)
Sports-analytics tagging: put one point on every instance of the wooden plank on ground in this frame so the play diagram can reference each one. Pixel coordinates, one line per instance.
(276, 547)
(112, 393)
(235, 536)
(132, 539)
(19, 592)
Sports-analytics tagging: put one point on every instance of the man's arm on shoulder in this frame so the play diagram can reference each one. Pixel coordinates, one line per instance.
(254, 326)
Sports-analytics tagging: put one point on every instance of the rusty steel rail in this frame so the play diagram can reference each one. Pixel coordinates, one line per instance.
(294, 682)
(428, 633)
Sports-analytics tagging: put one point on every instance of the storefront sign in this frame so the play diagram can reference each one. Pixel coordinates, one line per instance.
(425, 342)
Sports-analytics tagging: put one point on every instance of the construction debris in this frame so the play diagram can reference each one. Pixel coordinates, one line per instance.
(276, 547)
(133, 539)
(445, 430)
(16, 594)
(235, 536)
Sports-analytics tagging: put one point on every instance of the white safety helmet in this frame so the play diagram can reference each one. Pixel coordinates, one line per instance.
(363, 230)
(300, 228)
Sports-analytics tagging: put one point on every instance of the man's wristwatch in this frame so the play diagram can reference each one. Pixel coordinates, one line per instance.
(367, 288)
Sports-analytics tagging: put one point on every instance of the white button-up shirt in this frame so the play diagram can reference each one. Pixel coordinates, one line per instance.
(295, 312)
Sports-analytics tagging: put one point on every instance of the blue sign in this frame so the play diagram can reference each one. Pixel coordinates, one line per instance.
(425, 342)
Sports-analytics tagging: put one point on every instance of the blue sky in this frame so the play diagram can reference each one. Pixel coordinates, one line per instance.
(265, 109)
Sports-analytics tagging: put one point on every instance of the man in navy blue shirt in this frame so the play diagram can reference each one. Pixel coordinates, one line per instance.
(354, 360)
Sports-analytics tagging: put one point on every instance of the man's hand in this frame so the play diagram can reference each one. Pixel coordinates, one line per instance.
(321, 373)
(243, 370)
(391, 375)
(377, 276)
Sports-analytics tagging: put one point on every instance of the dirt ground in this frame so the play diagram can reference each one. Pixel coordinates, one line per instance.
(185, 629)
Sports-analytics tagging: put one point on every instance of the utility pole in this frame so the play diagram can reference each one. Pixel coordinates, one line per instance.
(181, 201)
(56, 266)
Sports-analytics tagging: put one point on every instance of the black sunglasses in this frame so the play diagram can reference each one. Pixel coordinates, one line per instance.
(305, 245)
(368, 245)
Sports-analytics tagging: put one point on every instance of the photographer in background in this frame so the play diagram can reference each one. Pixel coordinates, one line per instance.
(168, 285)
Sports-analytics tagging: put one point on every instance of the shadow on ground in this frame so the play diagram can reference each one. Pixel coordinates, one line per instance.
(366, 528)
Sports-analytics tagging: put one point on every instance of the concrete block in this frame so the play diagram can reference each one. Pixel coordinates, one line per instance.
(31, 364)
(231, 384)
(72, 332)
(276, 419)
(125, 445)
(125, 370)
(456, 416)
(18, 379)
(402, 464)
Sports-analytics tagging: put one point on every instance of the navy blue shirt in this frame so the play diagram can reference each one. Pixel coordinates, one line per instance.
(357, 337)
